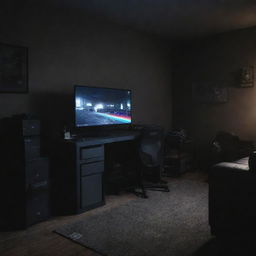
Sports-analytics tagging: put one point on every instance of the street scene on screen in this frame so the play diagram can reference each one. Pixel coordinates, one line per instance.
(102, 106)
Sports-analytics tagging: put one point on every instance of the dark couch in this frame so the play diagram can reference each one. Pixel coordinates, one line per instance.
(232, 192)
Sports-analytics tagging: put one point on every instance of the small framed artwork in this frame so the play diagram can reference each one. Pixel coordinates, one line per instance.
(208, 92)
(247, 76)
(13, 69)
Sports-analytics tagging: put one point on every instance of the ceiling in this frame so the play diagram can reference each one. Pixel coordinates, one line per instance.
(174, 19)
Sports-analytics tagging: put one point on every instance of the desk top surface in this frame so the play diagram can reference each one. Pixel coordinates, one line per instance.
(105, 138)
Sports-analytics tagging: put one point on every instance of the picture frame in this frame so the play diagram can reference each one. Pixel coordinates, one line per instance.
(210, 92)
(246, 77)
(13, 68)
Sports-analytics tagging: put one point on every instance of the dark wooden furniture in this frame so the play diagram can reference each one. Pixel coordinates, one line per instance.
(232, 194)
(227, 147)
(232, 189)
(78, 171)
(24, 174)
(179, 155)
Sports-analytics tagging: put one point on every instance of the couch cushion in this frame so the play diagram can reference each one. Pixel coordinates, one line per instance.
(242, 161)
(230, 166)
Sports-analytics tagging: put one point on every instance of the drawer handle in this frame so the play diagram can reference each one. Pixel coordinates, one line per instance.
(39, 185)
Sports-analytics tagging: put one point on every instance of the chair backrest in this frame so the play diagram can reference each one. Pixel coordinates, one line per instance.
(151, 146)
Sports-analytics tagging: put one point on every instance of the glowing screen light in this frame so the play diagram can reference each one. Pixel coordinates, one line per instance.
(98, 106)
(78, 102)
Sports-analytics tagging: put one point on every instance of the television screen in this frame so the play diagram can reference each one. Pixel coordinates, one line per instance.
(96, 106)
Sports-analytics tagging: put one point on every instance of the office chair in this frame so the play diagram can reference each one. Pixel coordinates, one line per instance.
(151, 145)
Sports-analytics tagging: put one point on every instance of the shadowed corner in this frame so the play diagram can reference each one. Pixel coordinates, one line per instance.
(53, 108)
(229, 245)
(210, 248)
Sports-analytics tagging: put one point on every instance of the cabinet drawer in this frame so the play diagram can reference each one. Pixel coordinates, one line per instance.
(30, 127)
(37, 170)
(31, 147)
(90, 154)
(91, 190)
(37, 207)
(87, 169)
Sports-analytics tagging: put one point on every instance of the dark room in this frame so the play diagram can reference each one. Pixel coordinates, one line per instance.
(127, 127)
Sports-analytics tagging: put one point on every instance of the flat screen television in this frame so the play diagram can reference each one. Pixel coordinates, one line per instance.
(98, 106)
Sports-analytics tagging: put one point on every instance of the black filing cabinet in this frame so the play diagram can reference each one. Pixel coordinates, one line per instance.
(24, 174)
(77, 176)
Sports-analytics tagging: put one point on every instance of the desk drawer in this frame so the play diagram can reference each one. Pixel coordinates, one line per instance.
(91, 190)
(91, 168)
(91, 154)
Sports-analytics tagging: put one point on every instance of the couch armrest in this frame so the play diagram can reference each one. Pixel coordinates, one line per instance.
(232, 198)
(246, 147)
(228, 168)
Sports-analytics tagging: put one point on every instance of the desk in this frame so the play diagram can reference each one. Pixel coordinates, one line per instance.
(77, 171)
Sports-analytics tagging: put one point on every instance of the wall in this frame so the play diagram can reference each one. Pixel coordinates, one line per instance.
(68, 47)
(215, 59)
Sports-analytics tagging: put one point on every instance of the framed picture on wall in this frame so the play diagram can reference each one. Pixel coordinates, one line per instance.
(246, 77)
(13, 69)
(209, 92)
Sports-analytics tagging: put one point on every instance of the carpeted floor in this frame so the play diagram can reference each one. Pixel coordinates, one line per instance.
(171, 224)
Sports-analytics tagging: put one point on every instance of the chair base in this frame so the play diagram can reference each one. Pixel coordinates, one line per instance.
(157, 187)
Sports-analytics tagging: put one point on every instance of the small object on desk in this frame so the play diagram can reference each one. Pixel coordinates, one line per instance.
(67, 135)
